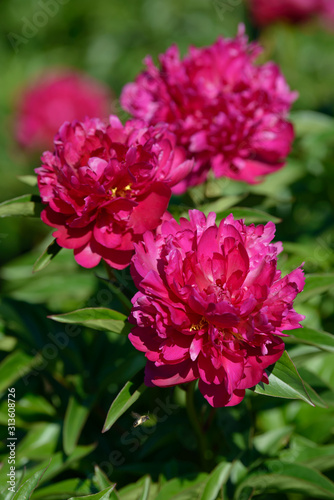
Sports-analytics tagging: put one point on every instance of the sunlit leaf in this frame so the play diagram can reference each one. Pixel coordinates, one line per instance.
(183, 488)
(315, 284)
(284, 382)
(135, 490)
(100, 478)
(307, 452)
(216, 480)
(30, 180)
(102, 495)
(49, 253)
(310, 336)
(62, 490)
(311, 122)
(287, 477)
(223, 203)
(98, 318)
(123, 401)
(146, 489)
(27, 488)
(26, 205)
(270, 442)
(250, 215)
(13, 367)
(40, 442)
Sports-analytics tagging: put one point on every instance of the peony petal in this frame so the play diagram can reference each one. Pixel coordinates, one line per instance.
(169, 375)
(86, 257)
(216, 395)
(147, 215)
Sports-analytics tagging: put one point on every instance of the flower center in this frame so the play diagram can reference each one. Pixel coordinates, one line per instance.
(120, 192)
(201, 324)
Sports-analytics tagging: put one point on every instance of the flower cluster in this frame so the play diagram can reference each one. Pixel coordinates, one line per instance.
(265, 12)
(58, 97)
(211, 305)
(105, 185)
(229, 113)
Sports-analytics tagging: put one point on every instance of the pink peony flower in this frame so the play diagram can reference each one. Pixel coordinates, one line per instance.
(211, 305)
(327, 12)
(58, 97)
(105, 185)
(229, 113)
(266, 12)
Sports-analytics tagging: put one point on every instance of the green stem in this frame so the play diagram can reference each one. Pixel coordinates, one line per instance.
(192, 414)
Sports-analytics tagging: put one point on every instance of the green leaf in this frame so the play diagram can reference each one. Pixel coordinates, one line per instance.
(309, 453)
(60, 462)
(310, 336)
(314, 396)
(49, 253)
(98, 318)
(41, 441)
(134, 490)
(274, 185)
(216, 480)
(13, 367)
(315, 284)
(30, 180)
(26, 205)
(125, 398)
(62, 490)
(284, 382)
(34, 406)
(7, 343)
(146, 489)
(185, 488)
(270, 442)
(286, 477)
(250, 215)
(75, 418)
(102, 495)
(100, 478)
(311, 122)
(27, 488)
(223, 203)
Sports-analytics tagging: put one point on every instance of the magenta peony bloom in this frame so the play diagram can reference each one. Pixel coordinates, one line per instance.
(229, 113)
(105, 185)
(211, 305)
(327, 12)
(58, 97)
(266, 12)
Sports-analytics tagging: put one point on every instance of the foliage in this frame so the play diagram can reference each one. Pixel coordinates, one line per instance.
(63, 329)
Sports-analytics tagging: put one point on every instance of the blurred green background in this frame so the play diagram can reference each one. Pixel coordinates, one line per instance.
(108, 39)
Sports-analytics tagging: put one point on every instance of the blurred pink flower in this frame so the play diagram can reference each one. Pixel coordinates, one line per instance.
(211, 305)
(266, 12)
(229, 113)
(327, 12)
(105, 185)
(55, 98)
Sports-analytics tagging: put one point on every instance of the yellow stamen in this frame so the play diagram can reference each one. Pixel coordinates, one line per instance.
(120, 192)
(199, 325)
